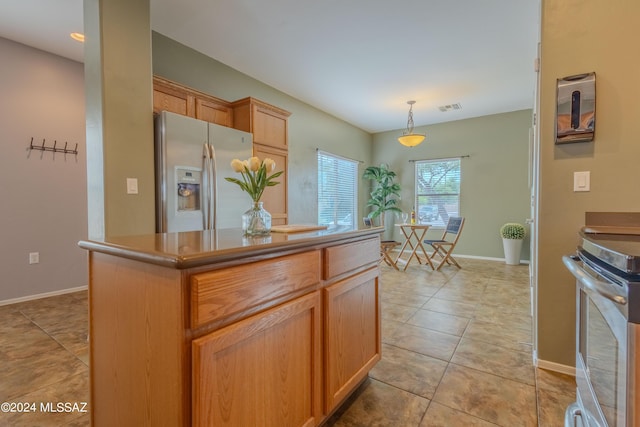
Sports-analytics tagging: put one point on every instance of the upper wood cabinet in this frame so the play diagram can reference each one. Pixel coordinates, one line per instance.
(269, 125)
(275, 198)
(214, 112)
(267, 122)
(171, 96)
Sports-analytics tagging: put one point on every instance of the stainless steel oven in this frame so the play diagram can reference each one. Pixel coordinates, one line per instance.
(607, 271)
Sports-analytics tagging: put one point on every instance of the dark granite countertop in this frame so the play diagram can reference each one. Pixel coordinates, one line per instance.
(197, 248)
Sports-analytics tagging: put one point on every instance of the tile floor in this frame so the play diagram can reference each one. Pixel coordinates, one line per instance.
(456, 352)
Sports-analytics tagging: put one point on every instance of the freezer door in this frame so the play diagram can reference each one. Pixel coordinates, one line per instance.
(230, 202)
(179, 172)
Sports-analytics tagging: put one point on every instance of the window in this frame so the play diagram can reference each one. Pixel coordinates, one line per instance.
(437, 190)
(337, 191)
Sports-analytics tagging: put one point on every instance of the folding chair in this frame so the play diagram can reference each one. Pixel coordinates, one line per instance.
(444, 247)
(386, 246)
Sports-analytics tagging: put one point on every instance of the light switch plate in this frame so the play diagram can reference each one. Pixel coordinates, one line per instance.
(582, 181)
(132, 185)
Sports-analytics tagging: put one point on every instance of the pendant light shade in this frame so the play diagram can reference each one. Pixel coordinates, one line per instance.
(409, 138)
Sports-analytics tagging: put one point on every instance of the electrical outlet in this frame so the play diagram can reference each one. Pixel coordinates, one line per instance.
(34, 257)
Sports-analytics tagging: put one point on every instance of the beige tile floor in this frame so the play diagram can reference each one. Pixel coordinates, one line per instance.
(456, 352)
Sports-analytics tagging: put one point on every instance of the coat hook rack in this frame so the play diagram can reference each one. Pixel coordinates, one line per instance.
(55, 147)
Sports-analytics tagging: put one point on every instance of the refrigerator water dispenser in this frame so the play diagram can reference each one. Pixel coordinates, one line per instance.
(188, 181)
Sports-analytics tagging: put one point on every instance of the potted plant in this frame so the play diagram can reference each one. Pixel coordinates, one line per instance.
(512, 235)
(385, 193)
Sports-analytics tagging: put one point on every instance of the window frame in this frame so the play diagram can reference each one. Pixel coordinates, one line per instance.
(439, 221)
(339, 221)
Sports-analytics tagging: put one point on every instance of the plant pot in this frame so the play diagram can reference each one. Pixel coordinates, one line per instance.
(512, 250)
(389, 221)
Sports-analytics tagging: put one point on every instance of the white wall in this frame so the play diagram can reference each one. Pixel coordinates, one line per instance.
(43, 203)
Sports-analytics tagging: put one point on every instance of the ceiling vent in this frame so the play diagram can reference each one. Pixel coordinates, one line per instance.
(450, 107)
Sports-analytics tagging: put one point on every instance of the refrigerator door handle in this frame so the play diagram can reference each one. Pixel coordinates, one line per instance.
(213, 188)
(205, 186)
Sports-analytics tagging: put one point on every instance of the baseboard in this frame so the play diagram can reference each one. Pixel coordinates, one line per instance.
(555, 367)
(484, 258)
(44, 295)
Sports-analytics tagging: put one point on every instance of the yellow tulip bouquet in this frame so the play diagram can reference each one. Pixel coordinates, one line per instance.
(254, 175)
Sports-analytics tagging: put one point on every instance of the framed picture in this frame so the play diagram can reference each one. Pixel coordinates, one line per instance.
(367, 221)
(576, 108)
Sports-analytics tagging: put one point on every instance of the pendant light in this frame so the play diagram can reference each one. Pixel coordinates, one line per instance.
(409, 138)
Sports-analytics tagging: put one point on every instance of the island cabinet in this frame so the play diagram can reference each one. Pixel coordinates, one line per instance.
(212, 329)
(352, 318)
(269, 126)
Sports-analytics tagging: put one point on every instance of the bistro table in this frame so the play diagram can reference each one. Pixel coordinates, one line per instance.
(414, 234)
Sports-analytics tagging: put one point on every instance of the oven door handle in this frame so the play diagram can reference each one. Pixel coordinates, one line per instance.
(603, 288)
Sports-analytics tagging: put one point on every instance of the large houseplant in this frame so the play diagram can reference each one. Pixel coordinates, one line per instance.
(512, 235)
(385, 193)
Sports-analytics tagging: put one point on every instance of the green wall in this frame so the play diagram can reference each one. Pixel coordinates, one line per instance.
(309, 128)
(495, 176)
(599, 34)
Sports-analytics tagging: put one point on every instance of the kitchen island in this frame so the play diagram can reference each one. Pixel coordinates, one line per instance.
(211, 328)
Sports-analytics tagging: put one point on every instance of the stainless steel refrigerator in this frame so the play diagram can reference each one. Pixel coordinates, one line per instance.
(192, 159)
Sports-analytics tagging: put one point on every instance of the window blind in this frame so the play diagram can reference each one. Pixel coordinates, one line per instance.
(337, 190)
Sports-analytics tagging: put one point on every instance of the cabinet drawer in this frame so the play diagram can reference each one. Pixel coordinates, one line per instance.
(231, 291)
(344, 258)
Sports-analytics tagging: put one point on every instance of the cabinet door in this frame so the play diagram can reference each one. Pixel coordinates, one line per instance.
(213, 112)
(269, 127)
(275, 198)
(168, 96)
(261, 371)
(352, 334)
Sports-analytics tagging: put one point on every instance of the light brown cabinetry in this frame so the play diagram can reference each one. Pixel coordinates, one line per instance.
(168, 98)
(264, 370)
(213, 111)
(352, 345)
(179, 99)
(273, 334)
(267, 123)
(352, 318)
(275, 198)
(269, 126)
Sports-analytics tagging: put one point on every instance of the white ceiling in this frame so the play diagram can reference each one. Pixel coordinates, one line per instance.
(359, 60)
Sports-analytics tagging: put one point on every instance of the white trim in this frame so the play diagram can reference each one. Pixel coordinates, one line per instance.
(45, 295)
(486, 258)
(556, 367)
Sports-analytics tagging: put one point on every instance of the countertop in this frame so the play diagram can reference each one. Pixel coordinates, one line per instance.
(198, 248)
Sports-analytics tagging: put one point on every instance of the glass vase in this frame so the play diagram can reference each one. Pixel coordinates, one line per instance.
(256, 221)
